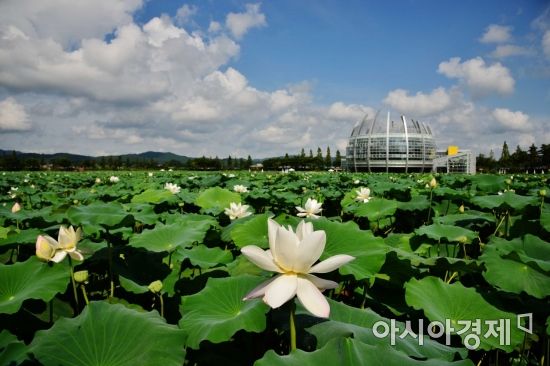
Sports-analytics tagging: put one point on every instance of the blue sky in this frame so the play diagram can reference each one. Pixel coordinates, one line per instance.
(266, 78)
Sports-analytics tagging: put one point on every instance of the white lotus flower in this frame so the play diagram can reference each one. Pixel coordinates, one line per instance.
(292, 255)
(97, 180)
(173, 188)
(150, 174)
(311, 209)
(240, 188)
(433, 183)
(236, 211)
(49, 249)
(357, 181)
(363, 195)
(114, 179)
(16, 207)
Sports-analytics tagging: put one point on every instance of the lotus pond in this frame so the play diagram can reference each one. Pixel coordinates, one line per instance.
(453, 270)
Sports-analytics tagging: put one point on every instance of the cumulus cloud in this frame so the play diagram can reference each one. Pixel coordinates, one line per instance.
(349, 112)
(420, 104)
(13, 116)
(508, 50)
(239, 23)
(511, 120)
(478, 76)
(495, 33)
(185, 13)
(546, 43)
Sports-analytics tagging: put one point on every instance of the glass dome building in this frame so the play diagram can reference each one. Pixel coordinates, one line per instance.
(390, 143)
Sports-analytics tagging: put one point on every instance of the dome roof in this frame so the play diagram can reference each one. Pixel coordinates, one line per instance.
(384, 122)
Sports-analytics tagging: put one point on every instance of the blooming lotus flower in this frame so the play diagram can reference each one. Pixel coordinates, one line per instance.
(363, 195)
(240, 188)
(114, 179)
(49, 249)
(292, 255)
(173, 188)
(16, 207)
(311, 209)
(236, 211)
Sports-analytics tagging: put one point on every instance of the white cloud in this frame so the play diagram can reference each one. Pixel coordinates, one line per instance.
(214, 27)
(239, 23)
(546, 43)
(478, 76)
(348, 112)
(495, 33)
(13, 116)
(420, 104)
(185, 13)
(508, 50)
(511, 120)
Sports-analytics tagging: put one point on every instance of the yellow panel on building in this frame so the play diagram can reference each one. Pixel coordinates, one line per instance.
(452, 150)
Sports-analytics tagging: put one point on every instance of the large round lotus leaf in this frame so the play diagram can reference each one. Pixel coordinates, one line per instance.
(346, 238)
(449, 193)
(251, 232)
(31, 279)
(417, 203)
(204, 257)
(375, 209)
(351, 352)
(449, 232)
(96, 215)
(204, 222)
(347, 321)
(441, 301)
(110, 334)
(530, 250)
(166, 238)
(545, 221)
(514, 276)
(489, 183)
(219, 311)
(16, 236)
(132, 286)
(216, 199)
(154, 196)
(507, 200)
(470, 216)
(143, 212)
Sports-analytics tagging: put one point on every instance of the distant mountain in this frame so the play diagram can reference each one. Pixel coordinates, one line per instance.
(157, 157)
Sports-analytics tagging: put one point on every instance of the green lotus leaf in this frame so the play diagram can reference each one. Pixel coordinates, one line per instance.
(167, 238)
(4, 232)
(202, 222)
(143, 212)
(454, 302)
(31, 279)
(15, 236)
(507, 200)
(251, 232)
(154, 196)
(530, 249)
(545, 221)
(96, 215)
(347, 321)
(375, 209)
(489, 183)
(110, 334)
(12, 351)
(346, 238)
(448, 232)
(417, 203)
(470, 216)
(351, 352)
(219, 311)
(132, 286)
(216, 199)
(204, 257)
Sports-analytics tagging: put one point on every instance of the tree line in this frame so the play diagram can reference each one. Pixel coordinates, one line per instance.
(534, 158)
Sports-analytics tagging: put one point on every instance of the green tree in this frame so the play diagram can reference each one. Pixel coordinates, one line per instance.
(338, 159)
(248, 162)
(328, 158)
(504, 156)
(533, 156)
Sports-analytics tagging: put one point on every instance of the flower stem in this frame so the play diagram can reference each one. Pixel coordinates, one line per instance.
(74, 286)
(161, 304)
(83, 288)
(292, 328)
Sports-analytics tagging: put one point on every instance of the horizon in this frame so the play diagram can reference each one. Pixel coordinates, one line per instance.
(263, 79)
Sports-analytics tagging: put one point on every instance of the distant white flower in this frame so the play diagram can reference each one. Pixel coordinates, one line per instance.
(231, 176)
(311, 209)
(150, 174)
(331, 170)
(236, 211)
(363, 195)
(114, 179)
(357, 181)
(293, 255)
(16, 207)
(174, 188)
(239, 188)
(170, 170)
(26, 180)
(97, 180)
(162, 170)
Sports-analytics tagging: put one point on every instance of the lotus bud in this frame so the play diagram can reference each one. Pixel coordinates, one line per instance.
(155, 286)
(542, 193)
(461, 209)
(81, 276)
(508, 181)
(433, 183)
(16, 207)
